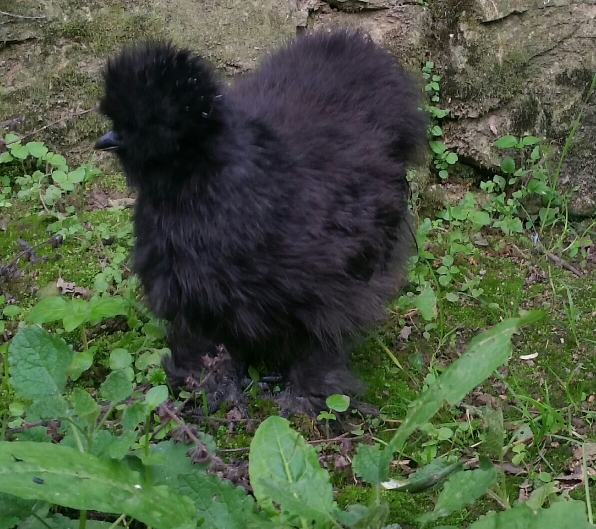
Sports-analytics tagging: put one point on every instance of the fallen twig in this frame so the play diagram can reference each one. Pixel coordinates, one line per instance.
(553, 257)
(54, 240)
(556, 259)
(24, 17)
(11, 122)
(65, 118)
(200, 453)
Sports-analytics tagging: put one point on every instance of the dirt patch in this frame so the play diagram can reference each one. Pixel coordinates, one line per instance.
(101, 198)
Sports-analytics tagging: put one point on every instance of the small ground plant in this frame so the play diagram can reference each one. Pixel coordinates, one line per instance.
(106, 463)
(44, 177)
(442, 157)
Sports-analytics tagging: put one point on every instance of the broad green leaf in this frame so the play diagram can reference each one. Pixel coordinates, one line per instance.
(116, 387)
(426, 303)
(75, 314)
(37, 149)
(371, 463)
(155, 396)
(569, 514)
(530, 140)
(52, 407)
(84, 405)
(358, 516)
(80, 363)
(460, 490)
(106, 307)
(485, 353)
(535, 154)
(37, 434)
(38, 363)
(539, 496)
(442, 270)
(59, 176)
(447, 260)
(170, 461)
(451, 158)
(221, 504)
(153, 331)
(120, 358)
(506, 142)
(51, 195)
(508, 165)
(77, 176)
(479, 218)
(16, 409)
(516, 225)
(57, 160)
(63, 476)
(538, 187)
(48, 309)
(100, 284)
(121, 445)
(10, 311)
(285, 470)
(499, 180)
(438, 147)
(67, 186)
(427, 478)
(253, 374)
(133, 415)
(325, 416)
(13, 510)
(150, 358)
(19, 151)
(5, 157)
(129, 373)
(290, 499)
(339, 403)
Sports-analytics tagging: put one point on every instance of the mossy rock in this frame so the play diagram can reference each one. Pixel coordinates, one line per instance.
(51, 65)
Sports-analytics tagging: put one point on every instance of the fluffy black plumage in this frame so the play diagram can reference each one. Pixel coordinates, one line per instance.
(271, 215)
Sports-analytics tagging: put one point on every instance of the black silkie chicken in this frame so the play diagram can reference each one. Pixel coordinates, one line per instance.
(271, 216)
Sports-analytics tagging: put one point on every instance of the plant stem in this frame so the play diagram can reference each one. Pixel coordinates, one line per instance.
(117, 522)
(84, 337)
(82, 519)
(146, 447)
(5, 388)
(104, 418)
(75, 433)
(586, 481)
(41, 520)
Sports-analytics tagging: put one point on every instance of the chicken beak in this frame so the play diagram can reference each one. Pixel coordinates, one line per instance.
(110, 141)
